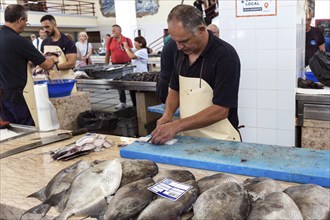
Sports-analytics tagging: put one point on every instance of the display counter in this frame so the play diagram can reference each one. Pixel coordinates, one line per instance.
(27, 172)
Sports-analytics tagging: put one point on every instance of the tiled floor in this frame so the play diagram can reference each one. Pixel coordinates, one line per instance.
(106, 100)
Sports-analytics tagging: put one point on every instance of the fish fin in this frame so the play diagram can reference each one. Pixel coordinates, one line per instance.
(39, 195)
(41, 209)
(55, 199)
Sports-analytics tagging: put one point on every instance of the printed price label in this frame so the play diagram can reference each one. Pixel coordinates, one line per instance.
(170, 189)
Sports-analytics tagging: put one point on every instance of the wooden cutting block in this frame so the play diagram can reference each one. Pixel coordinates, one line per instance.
(290, 164)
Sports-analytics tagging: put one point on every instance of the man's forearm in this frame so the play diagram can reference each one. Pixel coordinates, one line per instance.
(172, 102)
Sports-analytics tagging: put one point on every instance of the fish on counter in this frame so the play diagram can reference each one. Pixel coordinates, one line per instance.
(162, 208)
(133, 170)
(208, 182)
(259, 187)
(227, 200)
(130, 200)
(312, 200)
(49, 195)
(277, 205)
(88, 192)
(85, 145)
(177, 175)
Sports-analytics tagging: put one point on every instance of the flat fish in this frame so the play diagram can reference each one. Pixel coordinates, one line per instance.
(130, 200)
(89, 190)
(312, 200)
(177, 175)
(260, 187)
(208, 182)
(165, 209)
(277, 205)
(137, 169)
(51, 194)
(226, 200)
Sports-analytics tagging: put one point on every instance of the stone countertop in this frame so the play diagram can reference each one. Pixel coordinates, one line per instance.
(25, 173)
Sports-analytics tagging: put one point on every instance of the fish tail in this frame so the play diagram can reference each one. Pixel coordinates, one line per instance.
(39, 195)
(41, 209)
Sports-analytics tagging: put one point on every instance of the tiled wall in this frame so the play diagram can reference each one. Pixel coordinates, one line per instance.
(271, 50)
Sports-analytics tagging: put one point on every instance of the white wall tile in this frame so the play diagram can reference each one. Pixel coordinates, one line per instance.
(247, 117)
(266, 79)
(282, 3)
(266, 99)
(286, 80)
(248, 79)
(266, 136)
(286, 17)
(286, 59)
(286, 100)
(249, 134)
(266, 39)
(247, 98)
(246, 23)
(285, 120)
(266, 22)
(224, 4)
(229, 36)
(248, 58)
(266, 118)
(285, 138)
(246, 39)
(227, 19)
(266, 59)
(286, 39)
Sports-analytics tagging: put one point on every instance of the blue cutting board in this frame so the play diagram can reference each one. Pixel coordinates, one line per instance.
(290, 164)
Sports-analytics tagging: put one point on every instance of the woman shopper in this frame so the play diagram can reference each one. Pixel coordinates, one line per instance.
(84, 49)
(139, 56)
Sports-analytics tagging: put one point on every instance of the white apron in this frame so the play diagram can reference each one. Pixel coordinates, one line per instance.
(28, 93)
(195, 98)
(63, 74)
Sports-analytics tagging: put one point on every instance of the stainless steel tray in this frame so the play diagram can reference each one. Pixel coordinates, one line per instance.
(21, 130)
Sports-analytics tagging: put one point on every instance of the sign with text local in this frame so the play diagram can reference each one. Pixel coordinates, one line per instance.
(248, 8)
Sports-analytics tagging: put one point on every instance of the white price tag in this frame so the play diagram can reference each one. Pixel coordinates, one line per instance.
(170, 189)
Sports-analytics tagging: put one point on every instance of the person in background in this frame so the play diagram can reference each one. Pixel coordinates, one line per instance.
(33, 37)
(214, 29)
(15, 53)
(118, 55)
(37, 42)
(314, 39)
(167, 59)
(139, 56)
(205, 82)
(56, 38)
(84, 49)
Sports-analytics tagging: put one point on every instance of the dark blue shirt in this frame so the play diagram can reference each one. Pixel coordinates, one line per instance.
(15, 52)
(221, 70)
(67, 45)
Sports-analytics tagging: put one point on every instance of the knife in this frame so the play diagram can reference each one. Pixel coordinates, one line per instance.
(44, 141)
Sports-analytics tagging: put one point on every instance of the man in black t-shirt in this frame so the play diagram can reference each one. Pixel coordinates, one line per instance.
(56, 38)
(204, 83)
(15, 53)
(314, 40)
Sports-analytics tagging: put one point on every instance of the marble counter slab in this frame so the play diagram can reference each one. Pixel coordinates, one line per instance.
(27, 172)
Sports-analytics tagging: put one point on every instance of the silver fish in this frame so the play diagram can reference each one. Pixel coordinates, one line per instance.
(137, 169)
(177, 175)
(208, 182)
(312, 200)
(89, 190)
(277, 205)
(226, 200)
(165, 209)
(130, 200)
(260, 187)
(50, 195)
